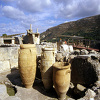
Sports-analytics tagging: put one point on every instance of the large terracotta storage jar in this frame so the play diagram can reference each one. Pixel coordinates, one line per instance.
(47, 60)
(61, 78)
(27, 64)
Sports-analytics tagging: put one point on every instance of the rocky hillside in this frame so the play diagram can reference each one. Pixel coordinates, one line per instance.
(88, 27)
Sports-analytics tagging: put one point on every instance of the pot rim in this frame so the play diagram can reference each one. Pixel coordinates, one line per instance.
(26, 46)
(48, 49)
(61, 65)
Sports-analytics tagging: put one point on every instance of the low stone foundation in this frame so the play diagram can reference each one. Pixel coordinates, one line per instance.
(8, 57)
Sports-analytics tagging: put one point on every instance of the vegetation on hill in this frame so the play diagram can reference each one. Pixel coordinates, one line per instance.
(88, 28)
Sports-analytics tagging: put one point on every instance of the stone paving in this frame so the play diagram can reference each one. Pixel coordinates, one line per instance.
(37, 92)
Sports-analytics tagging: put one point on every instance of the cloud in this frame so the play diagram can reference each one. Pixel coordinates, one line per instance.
(13, 13)
(7, 0)
(67, 9)
(11, 28)
(2, 25)
(23, 19)
(51, 21)
(43, 14)
(77, 8)
(87, 8)
(16, 14)
(33, 5)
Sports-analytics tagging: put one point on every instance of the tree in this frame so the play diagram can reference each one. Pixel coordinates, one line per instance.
(4, 35)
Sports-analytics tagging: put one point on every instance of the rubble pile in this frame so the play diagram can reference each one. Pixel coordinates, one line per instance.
(85, 73)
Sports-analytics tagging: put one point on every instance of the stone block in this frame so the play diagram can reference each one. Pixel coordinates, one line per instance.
(12, 98)
(84, 70)
(93, 52)
(1, 40)
(98, 78)
(39, 49)
(80, 87)
(8, 53)
(3, 92)
(4, 53)
(59, 57)
(84, 52)
(13, 63)
(4, 66)
(90, 94)
(8, 58)
(14, 52)
(98, 83)
(76, 52)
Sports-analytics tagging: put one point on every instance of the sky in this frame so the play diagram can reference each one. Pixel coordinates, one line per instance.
(17, 15)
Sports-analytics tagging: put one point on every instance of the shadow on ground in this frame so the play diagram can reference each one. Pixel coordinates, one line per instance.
(15, 79)
(38, 85)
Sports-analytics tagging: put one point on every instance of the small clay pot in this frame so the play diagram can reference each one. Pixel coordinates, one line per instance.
(61, 78)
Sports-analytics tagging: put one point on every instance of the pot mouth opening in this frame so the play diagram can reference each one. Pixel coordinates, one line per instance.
(48, 49)
(26, 46)
(61, 65)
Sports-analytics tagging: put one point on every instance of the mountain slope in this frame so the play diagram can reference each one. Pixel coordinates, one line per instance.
(87, 27)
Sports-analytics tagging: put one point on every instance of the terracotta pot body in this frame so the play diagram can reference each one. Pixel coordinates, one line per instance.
(61, 78)
(27, 64)
(47, 60)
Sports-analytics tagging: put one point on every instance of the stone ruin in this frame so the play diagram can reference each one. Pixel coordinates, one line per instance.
(85, 73)
(85, 65)
(8, 57)
(85, 68)
(32, 38)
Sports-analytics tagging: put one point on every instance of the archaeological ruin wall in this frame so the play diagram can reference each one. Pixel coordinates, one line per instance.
(8, 57)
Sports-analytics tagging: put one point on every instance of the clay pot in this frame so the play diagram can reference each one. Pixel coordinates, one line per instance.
(27, 64)
(61, 78)
(47, 60)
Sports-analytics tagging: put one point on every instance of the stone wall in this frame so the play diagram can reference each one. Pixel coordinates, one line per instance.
(85, 70)
(43, 45)
(8, 57)
(1, 40)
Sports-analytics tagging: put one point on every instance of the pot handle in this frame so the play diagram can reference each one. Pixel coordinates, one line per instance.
(43, 55)
(68, 71)
(31, 50)
(18, 51)
(53, 53)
